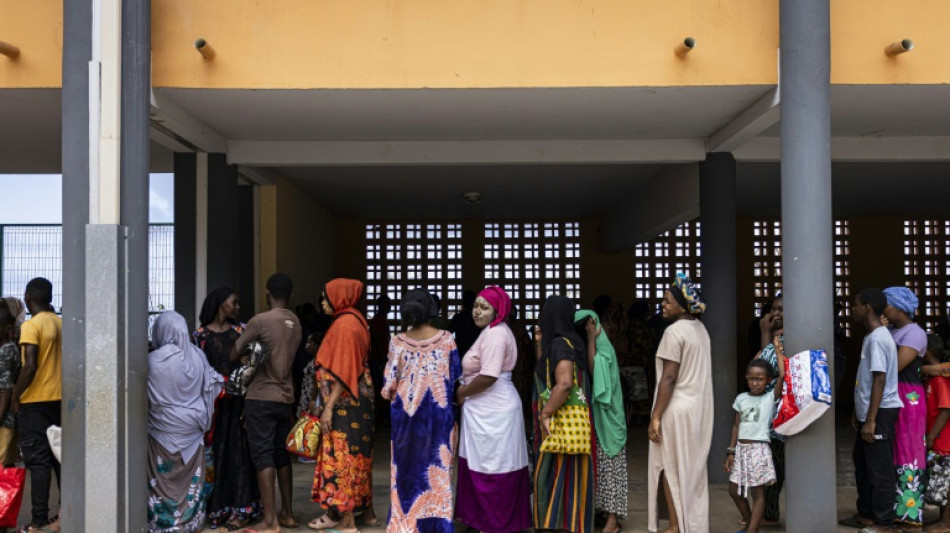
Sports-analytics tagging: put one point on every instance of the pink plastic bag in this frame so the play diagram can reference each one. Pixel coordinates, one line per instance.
(11, 495)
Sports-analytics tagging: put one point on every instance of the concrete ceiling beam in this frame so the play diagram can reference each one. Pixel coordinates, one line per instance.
(857, 149)
(175, 128)
(748, 124)
(662, 204)
(475, 152)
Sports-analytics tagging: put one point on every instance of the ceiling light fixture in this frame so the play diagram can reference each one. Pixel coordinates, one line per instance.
(472, 198)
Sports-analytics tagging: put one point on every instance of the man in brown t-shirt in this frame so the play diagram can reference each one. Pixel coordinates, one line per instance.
(268, 406)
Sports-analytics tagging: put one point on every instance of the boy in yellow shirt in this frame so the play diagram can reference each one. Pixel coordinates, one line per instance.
(39, 392)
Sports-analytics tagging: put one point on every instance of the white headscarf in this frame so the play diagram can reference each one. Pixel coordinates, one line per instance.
(182, 387)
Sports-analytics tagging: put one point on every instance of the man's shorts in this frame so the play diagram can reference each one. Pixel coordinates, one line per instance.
(268, 424)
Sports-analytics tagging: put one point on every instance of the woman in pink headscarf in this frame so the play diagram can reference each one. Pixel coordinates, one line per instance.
(493, 483)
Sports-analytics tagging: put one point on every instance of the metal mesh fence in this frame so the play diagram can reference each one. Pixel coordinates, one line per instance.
(33, 251)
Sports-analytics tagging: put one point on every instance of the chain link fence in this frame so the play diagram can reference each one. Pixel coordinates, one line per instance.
(30, 251)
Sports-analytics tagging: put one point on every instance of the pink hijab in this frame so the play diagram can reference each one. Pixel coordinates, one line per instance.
(500, 302)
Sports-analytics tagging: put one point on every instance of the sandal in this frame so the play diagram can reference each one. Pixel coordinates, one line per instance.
(322, 522)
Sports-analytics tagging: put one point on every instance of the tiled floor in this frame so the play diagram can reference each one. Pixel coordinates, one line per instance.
(723, 515)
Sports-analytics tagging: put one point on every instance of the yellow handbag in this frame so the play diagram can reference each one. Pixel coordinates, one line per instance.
(304, 438)
(570, 425)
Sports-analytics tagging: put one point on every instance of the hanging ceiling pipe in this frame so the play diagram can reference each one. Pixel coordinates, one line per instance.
(9, 50)
(685, 47)
(204, 49)
(900, 47)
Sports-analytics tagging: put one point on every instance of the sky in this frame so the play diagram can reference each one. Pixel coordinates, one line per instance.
(38, 198)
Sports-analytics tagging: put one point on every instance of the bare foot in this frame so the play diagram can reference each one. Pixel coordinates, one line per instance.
(671, 530)
(275, 529)
(287, 520)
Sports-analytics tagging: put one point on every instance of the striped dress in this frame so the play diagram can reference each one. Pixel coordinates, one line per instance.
(563, 484)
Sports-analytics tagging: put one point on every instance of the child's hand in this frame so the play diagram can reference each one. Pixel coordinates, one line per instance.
(727, 466)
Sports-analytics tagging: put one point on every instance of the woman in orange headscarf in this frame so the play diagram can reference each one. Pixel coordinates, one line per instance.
(341, 480)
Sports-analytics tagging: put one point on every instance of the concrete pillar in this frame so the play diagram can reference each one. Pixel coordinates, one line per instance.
(106, 66)
(207, 231)
(222, 225)
(186, 213)
(807, 261)
(77, 52)
(717, 204)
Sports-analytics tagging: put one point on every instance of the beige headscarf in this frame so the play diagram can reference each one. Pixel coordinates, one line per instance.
(16, 307)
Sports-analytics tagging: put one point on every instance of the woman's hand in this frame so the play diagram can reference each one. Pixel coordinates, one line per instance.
(385, 394)
(727, 466)
(593, 330)
(326, 420)
(545, 425)
(654, 431)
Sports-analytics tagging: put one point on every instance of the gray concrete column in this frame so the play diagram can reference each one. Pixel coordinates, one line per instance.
(807, 262)
(185, 220)
(717, 204)
(105, 227)
(208, 231)
(222, 220)
(77, 50)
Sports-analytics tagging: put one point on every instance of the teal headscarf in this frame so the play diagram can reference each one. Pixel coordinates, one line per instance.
(607, 399)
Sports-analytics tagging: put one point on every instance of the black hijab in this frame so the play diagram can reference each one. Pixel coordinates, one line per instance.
(557, 321)
(209, 309)
(418, 306)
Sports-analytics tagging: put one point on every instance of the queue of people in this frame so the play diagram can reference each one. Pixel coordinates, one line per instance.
(218, 457)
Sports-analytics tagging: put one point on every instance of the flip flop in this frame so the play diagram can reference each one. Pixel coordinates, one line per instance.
(331, 530)
(852, 521)
(374, 523)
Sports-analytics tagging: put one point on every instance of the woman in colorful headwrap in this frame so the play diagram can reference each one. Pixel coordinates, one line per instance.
(493, 479)
(610, 424)
(342, 478)
(563, 483)
(234, 497)
(423, 366)
(682, 421)
(182, 387)
(910, 448)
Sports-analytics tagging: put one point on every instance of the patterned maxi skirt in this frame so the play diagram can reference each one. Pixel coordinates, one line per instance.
(175, 490)
(611, 483)
(910, 451)
(342, 479)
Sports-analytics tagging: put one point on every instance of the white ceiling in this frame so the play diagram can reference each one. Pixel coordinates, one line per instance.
(466, 114)
(887, 111)
(508, 192)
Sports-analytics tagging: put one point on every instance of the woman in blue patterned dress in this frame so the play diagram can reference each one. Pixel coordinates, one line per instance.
(420, 375)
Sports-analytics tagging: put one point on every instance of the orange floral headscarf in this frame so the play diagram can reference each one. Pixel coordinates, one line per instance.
(346, 345)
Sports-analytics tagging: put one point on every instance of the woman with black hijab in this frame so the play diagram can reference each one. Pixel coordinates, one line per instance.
(230, 478)
(563, 483)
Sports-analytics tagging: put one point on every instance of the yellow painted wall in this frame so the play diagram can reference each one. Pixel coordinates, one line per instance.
(488, 43)
(464, 43)
(36, 28)
(306, 241)
(268, 240)
(863, 28)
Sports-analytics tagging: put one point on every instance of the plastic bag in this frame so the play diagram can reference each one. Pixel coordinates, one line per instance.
(55, 436)
(304, 438)
(806, 392)
(11, 495)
